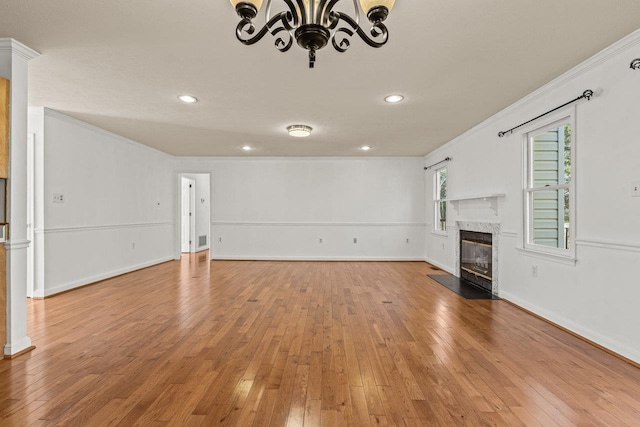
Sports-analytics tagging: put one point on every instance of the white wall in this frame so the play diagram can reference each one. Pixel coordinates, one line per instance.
(279, 208)
(598, 296)
(118, 210)
(202, 212)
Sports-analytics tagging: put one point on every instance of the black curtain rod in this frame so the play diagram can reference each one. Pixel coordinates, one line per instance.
(588, 94)
(447, 159)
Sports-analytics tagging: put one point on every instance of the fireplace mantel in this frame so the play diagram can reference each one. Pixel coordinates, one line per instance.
(491, 198)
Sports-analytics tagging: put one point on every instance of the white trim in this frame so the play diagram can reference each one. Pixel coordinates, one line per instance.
(100, 227)
(310, 258)
(568, 116)
(604, 55)
(14, 46)
(318, 224)
(13, 245)
(510, 234)
(440, 266)
(292, 158)
(488, 196)
(603, 244)
(41, 293)
(562, 259)
(440, 233)
(96, 129)
(17, 347)
(615, 346)
(437, 201)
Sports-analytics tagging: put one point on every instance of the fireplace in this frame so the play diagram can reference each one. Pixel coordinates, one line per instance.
(476, 258)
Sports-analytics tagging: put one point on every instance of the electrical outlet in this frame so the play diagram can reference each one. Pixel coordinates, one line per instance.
(355, 240)
(58, 198)
(407, 240)
(320, 240)
(635, 189)
(534, 271)
(219, 239)
(133, 245)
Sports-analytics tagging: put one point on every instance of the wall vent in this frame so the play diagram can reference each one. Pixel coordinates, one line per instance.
(202, 241)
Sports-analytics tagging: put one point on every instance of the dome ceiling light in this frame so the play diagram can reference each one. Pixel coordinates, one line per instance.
(312, 23)
(394, 99)
(188, 99)
(299, 131)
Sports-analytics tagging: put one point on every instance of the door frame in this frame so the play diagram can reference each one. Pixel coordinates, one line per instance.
(191, 190)
(178, 211)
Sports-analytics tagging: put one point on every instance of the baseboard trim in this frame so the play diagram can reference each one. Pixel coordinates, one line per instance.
(97, 279)
(439, 265)
(509, 299)
(313, 258)
(20, 353)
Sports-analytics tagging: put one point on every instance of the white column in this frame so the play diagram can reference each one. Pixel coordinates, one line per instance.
(14, 57)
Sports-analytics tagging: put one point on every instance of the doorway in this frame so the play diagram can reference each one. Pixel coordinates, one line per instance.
(195, 212)
(187, 207)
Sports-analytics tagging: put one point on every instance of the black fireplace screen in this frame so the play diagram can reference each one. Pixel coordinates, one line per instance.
(476, 258)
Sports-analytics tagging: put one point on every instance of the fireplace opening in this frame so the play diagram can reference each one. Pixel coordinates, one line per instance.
(476, 258)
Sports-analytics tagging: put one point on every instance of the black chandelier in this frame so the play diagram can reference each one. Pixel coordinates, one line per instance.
(313, 23)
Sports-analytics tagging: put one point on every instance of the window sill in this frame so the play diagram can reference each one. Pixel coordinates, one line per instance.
(562, 259)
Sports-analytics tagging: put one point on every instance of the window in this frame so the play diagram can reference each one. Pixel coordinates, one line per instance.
(549, 189)
(440, 195)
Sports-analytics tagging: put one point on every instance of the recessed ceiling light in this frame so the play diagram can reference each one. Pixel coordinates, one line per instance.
(365, 148)
(394, 99)
(247, 148)
(188, 99)
(299, 131)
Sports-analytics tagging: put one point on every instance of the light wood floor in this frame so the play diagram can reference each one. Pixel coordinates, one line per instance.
(203, 343)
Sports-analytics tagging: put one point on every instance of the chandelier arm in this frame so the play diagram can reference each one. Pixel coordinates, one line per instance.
(245, 25)
(301, 12)
(280, 44)
(357, 10)
(267, 11)
(320, 12)
(294, 16)
(326, 14)
(378, 31)
(341, 43)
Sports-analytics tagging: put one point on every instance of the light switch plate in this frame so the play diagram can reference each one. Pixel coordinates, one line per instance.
(58, 198)
(635, 189)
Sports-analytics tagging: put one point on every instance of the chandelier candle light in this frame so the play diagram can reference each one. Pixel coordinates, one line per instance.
(313, 23)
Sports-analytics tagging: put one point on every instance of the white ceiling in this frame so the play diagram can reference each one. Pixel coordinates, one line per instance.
(121, 64)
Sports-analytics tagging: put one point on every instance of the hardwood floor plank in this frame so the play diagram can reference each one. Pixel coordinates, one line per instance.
(257, 343)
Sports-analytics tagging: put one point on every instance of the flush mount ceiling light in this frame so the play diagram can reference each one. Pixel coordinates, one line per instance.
(394, 99)
(188, 99)
(312, 23)
(247, 148)
(365, 148)
(299, 131)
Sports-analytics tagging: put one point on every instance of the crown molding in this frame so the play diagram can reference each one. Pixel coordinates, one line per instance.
(296, 158)
(599, 58)
(14, 46)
